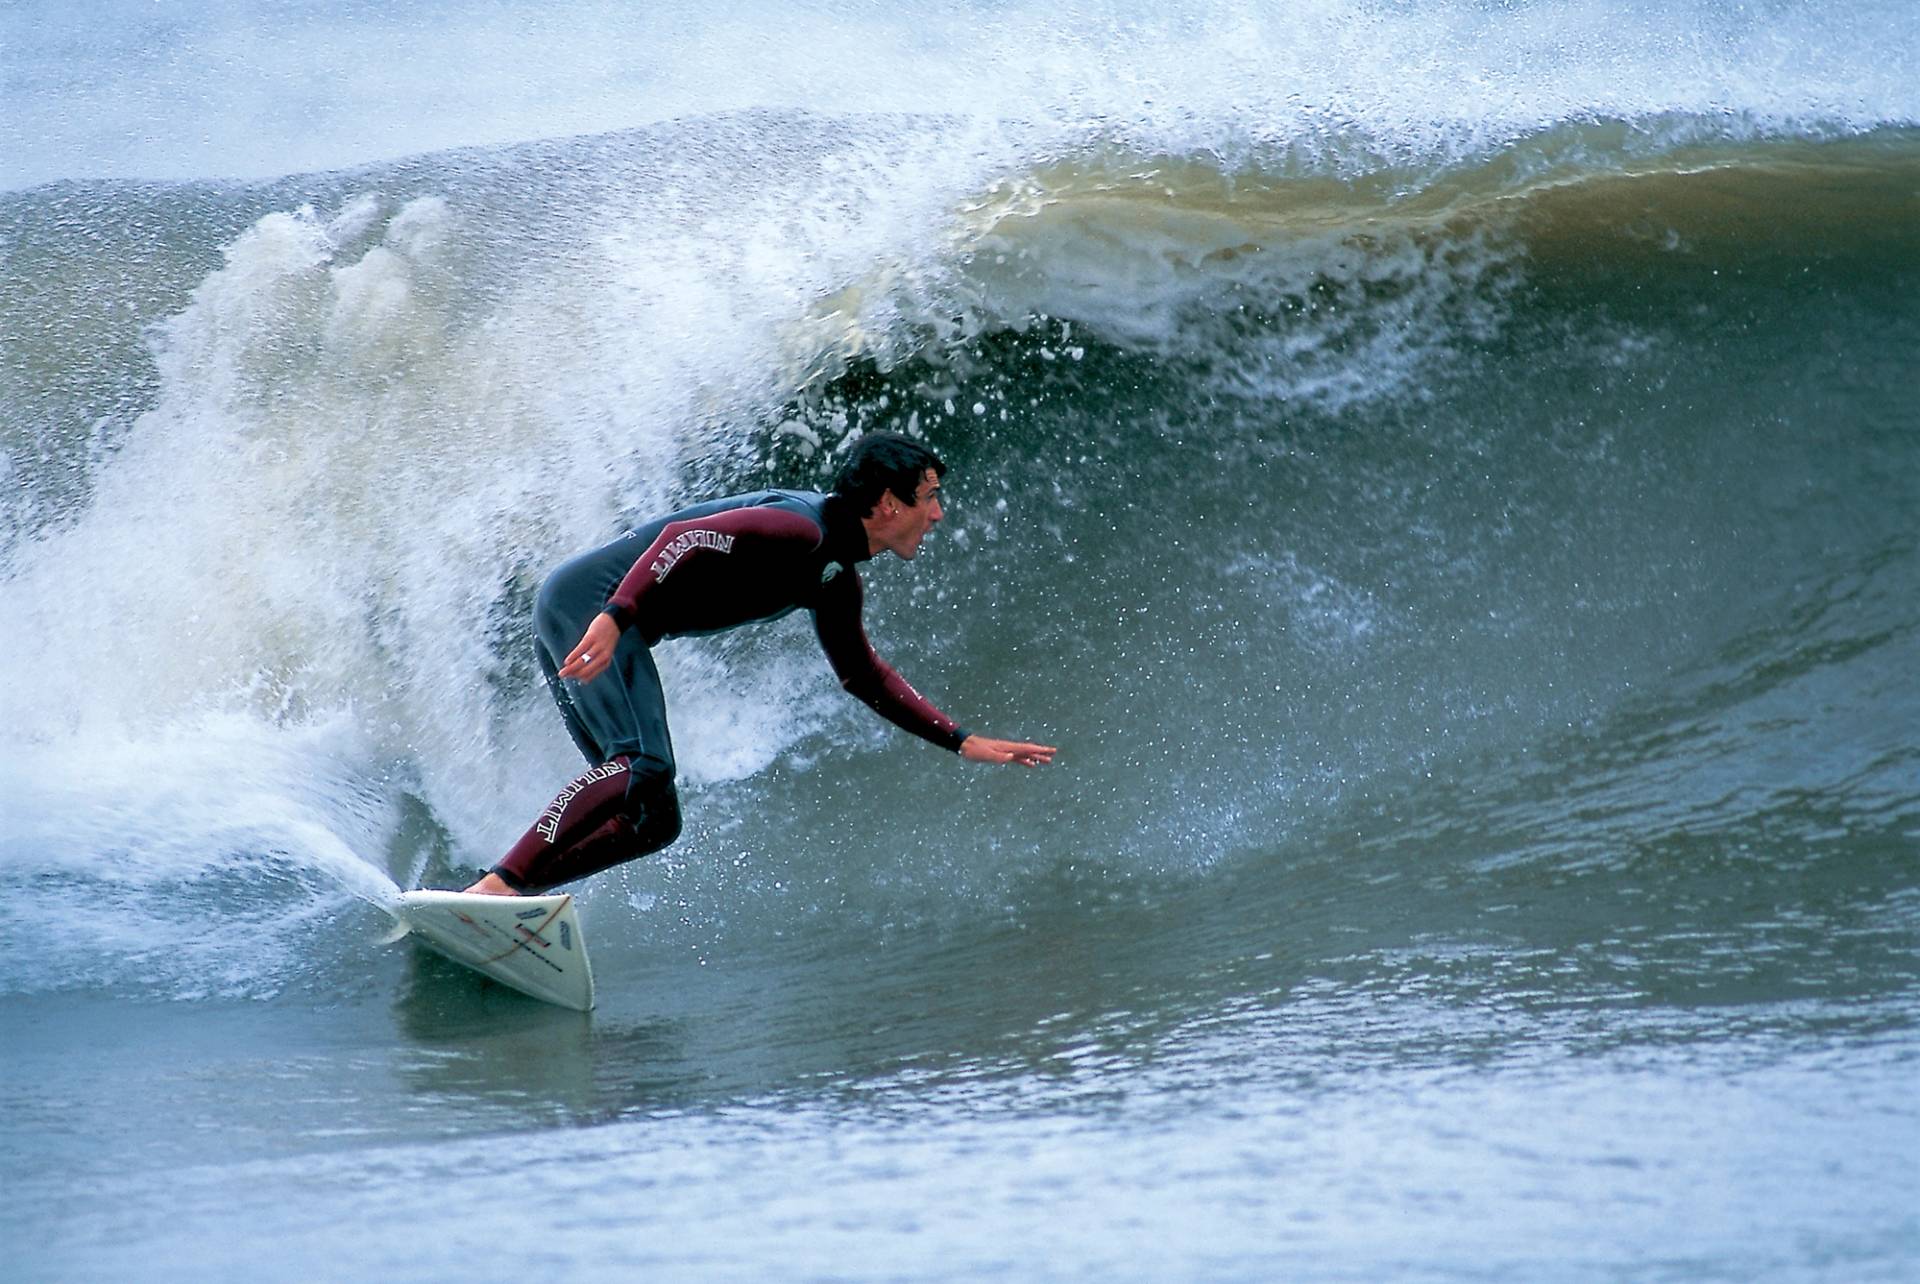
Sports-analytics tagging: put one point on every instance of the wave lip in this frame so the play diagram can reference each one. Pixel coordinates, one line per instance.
(110, 89)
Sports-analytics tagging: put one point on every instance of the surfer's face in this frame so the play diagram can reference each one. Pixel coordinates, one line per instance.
(898, 526)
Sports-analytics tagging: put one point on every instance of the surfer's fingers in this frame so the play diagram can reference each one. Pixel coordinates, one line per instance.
(1012, 751)
(594, 652)
(583, 665)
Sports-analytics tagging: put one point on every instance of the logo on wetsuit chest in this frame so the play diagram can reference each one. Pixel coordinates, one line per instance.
(832, 569)
(681, 545)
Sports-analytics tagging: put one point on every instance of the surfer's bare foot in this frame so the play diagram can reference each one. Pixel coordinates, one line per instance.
(492, 885)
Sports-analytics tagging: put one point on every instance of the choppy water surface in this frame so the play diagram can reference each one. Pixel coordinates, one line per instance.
(1445, 475)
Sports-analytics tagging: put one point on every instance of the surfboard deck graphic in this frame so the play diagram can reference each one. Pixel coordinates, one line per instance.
(531, 943)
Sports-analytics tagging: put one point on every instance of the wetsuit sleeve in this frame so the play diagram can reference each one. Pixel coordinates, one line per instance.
(836, 617)
(682, 543)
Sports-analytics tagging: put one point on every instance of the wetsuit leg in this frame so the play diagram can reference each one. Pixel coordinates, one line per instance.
(625, 806)
(563, 699)
(605, 816)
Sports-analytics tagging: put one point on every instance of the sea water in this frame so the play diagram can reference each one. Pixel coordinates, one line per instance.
(1446, 475)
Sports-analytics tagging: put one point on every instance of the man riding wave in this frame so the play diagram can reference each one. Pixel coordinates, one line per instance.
(705, 569)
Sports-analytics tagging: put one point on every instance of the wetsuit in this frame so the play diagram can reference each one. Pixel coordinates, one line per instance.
(701, 570)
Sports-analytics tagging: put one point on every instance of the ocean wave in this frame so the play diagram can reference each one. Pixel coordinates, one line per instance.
(1286, 483)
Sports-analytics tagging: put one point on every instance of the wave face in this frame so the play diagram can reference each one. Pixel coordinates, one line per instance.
(1313, 448)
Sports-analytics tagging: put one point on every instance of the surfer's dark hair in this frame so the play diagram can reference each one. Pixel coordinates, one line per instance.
(882, 462)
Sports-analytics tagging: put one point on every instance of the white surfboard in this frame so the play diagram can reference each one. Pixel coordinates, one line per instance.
(531, 943)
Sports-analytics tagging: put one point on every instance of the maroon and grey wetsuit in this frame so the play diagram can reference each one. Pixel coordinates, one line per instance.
(701, 570)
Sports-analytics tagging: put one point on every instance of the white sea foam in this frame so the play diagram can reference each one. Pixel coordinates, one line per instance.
(120, 851)
(374, 432)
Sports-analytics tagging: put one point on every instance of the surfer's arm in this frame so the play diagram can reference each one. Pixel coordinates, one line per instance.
(701, 539)
(754, 531)
(694, 542)
(868, 678)
(836, 618)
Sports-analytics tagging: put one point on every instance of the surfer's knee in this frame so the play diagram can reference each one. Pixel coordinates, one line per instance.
(549, 598)
(653, 809)
(559, 618)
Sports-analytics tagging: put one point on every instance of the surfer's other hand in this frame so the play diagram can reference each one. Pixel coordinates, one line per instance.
(590, 658)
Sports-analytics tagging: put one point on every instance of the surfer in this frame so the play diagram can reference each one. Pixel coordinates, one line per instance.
(705, 569)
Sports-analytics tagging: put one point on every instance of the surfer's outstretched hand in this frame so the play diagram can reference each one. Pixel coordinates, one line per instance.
(591, 657)
(982, 749)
